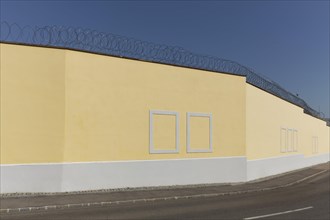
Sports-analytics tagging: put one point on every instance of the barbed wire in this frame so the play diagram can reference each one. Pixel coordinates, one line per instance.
(105, 43)
(120, 46)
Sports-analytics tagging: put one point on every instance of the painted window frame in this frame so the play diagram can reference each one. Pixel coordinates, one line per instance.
(295, 140)
(152, 149)
(290, 144)
(196, 114)
(290, 141)
(285, 149)
(315, 144)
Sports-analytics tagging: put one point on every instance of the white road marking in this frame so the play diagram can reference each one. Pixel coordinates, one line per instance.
(278, 213)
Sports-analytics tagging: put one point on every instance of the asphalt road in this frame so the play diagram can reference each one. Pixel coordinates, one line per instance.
(306, 200)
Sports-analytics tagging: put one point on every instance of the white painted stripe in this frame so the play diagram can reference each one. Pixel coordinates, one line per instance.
(121, 161)
(311, 176)
(292, 155)
(278, 213)
(279, 157)
(318, 154)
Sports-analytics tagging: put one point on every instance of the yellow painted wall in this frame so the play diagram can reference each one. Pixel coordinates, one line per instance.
(66, 106)
(267, 114)
(32, 104)
(200, 133)
(108, 101)
(312, 127)
(60, 105)
(164, 130)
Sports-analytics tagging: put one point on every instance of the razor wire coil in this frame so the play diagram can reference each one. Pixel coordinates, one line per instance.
(120, 46)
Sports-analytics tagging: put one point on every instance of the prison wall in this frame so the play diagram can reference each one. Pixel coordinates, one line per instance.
(280, 137)
(79, 121)
(75, 121)
(32, 117)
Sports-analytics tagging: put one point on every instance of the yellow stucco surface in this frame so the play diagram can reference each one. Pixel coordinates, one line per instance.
(66, 106)
(32, 104)
(164, 131)
(108, 102)
(266, 118)
(199, 133)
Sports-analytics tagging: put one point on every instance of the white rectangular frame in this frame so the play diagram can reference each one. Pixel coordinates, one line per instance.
(315, 144)
(152, 149)
(295, 140)
(290, 140)
(207, 115)
(283, 143)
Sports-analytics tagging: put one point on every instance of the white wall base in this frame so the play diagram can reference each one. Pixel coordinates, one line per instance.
(271, 166)
(317, 159)
(30, 178)
(64, 177)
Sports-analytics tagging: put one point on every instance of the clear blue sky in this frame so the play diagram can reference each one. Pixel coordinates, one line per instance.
(287, 41)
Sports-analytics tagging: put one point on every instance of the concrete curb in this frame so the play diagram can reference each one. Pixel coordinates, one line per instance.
(79, 205)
